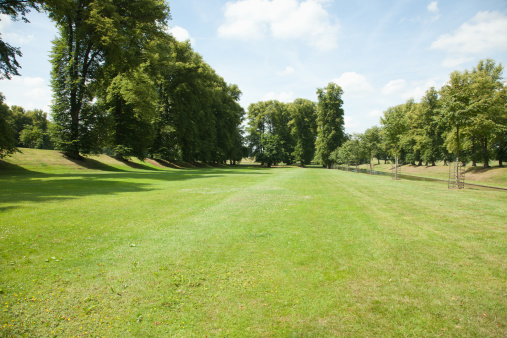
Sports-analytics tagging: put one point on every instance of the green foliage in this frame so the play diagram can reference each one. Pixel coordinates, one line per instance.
(98, 40)
(371, 142)
(270, 122)
(31, 128)
(330, 122)
(351, 152)
(199, 116)
(473, 105)
(394, 123)
(7, 140)
(303, 126)
(131, 106)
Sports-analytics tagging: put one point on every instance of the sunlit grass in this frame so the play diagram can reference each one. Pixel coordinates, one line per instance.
(248, 252)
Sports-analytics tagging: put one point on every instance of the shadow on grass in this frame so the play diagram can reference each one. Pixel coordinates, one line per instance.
(18, 185)
(482, 170)
(92, 164)
(9, 168)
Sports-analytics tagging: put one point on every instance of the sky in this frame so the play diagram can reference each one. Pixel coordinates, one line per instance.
(381, 53)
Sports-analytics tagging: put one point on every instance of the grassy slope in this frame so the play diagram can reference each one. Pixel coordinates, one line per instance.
(494, 176)
(248, 252)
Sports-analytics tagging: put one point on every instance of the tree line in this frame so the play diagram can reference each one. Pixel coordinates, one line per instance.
(122, 84)
(466, 121)
(301, 131)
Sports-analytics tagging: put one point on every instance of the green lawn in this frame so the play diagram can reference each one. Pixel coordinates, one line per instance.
(247, 251)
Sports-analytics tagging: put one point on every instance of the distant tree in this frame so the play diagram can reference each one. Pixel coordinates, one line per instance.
(330, 122)
(32, 137)
(20, 119)
(7, 140)
(268, 123)
(303, 125)
(273, 151)
(394, 127)
(430, 133)
(371, 143)
(410, 141)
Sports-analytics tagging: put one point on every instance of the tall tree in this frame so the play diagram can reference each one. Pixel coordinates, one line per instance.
(488, 110)
(303, 126)
(394, 124)
(455, 113)
(95, 35)
(269, 126)
(430, 132)
(330, 122)
(371, 143)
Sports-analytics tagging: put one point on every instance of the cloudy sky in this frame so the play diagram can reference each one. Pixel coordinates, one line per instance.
(381, 52)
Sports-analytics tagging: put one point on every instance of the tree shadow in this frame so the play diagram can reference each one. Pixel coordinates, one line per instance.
(134, 165)
(18, 185)
(482, 170)
(89, 163)
(9, 168)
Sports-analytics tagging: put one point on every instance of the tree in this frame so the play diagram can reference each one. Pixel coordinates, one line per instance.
(394, 127)
(269, 124)
(473, 106)
(487, 105)
(430, 132)
(330, 122)
(273, 153)
(96, 37)
(303, 126)
(130, 100)
(371, 143)
(7, 140)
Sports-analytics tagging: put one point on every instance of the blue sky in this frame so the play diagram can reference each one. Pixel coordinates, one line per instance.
(381, 52)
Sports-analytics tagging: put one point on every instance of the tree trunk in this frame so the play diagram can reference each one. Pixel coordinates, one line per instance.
(485, 154)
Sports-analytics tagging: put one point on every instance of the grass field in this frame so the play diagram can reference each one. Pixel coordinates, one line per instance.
(141, 250)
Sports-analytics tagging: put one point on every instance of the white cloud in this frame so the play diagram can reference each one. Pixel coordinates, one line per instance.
(394, 87)
(287, 71)
(375, 113)
(12, 38)
(350, 123)
(433, 7)
(418, 89)
(307, 20)
(486, 32)
(181, 34)
(28, 92)
(282, 97)
(354, 84)
(5, 22)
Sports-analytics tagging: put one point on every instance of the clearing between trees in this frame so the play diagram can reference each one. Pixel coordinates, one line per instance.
(120, 250)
